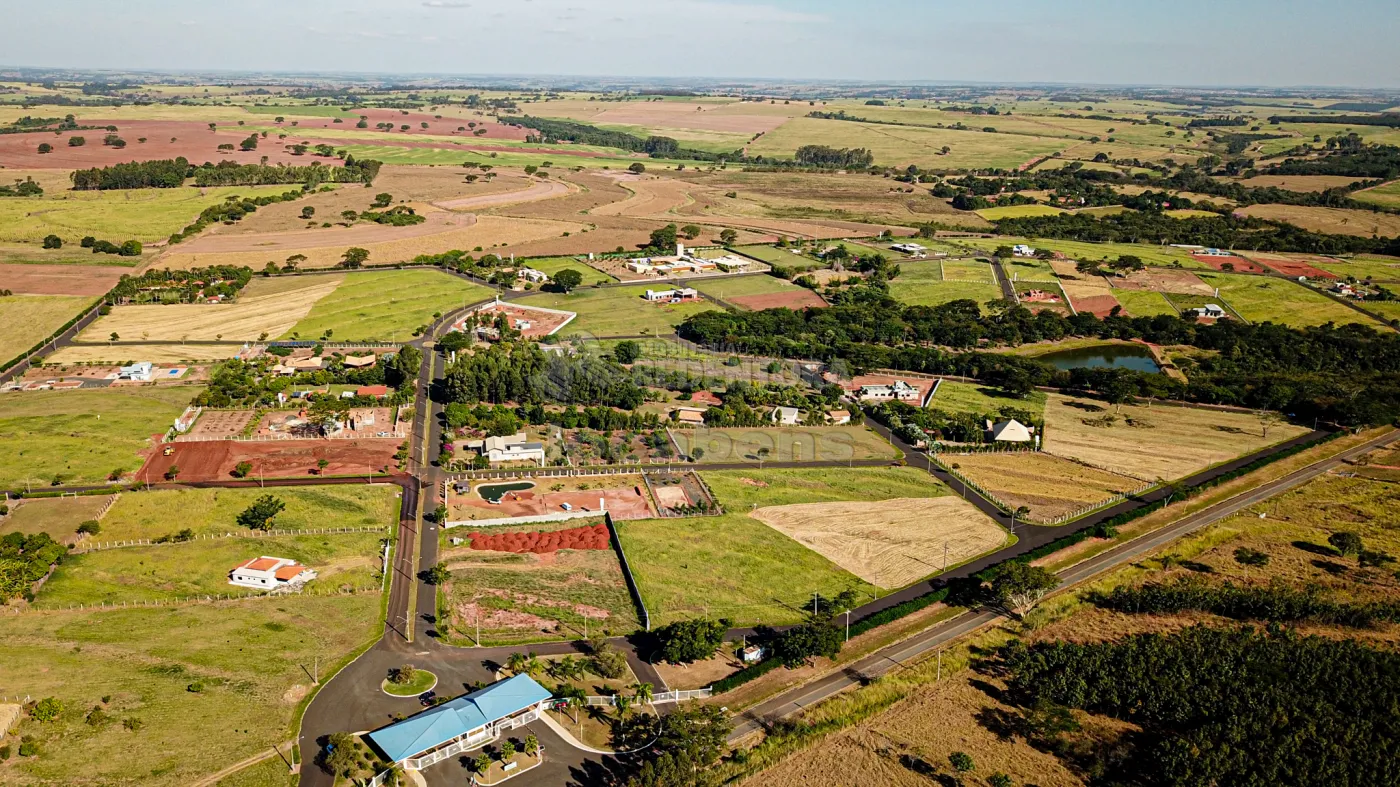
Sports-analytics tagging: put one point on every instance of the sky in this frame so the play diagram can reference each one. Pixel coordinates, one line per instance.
(1156, 42)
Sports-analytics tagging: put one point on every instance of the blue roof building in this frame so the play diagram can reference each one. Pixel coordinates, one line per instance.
(471, 720)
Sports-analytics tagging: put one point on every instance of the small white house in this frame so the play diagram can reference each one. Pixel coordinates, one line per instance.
(1022, 250)
(270, 573)
(531, 275)
(752, 654)
(679, 294)
(1211, 310)
(511, 448)
(786, 416)
(140, 372)
(909, 248)
(899, 389)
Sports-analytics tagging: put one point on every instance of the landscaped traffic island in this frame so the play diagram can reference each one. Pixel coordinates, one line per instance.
(407, 681)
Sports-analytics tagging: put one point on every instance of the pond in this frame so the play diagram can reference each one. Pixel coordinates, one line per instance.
(492, 493)
(1113, 356)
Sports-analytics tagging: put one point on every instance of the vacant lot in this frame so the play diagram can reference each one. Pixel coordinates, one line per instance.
(1154, 442)
(1364, 267)
(519, 598)
(1018, 212)
(1143, 303)
(553, 265)
(147, 215)
(57, 516)
(1259, 299)
(784, 444)
(215, 511)
(386, 305)
(923, 284)
(201, 567)
(40, 279)
(216, 460)
(1079, 250)
(890, 543)
(82, 436)
(26, 320)
(268, 307)
(618, 311)
(965, 270)
(1337, 221)
(1300, 182)
(155, 353)
(760, 292)
(143, 661)
(903, 145)
(1049, 485)
(956, 397)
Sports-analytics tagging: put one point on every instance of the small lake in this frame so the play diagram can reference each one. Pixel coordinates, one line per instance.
(492, 493)
(1111, 356)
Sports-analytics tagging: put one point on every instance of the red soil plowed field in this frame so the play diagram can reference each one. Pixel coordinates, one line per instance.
(1241, 265)
(622, 503)
(60, 279)
(1292, 268)
(216, 459)
(788, 300)
(594, 537)
(1098, 305)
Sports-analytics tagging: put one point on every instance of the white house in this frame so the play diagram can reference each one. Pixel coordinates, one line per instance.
(1211, 310)
(909, 248)
(752, 654)
(1022, 250)
(786, 416)
(729, 263)
(1011, 431)
(140, 372)
(511, 448)
(838, 417)
(1213, 253)
(681, 294)
(899, 389)
(270, 573)
(531, 275)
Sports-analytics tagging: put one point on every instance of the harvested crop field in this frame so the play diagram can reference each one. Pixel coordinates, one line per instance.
(891, 543)
(1289, 267)
(155, 353)
(277, 245)
(1161, 280)
(271, 306)
(1049, 485)
(542, 542)
(215, 460)
(91, 280)
(1299, 182)
(1336, 221)
(530, 193)
(26, 320)
(1154, 442)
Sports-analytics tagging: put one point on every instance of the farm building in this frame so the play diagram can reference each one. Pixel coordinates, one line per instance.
(899, 389)
(786, 416)
(466, 722)
(1022, 250)
(511, 448)
(752, 654)
(678, 294)
(691, 415)
(838, 417)
(270, 573)
(1010, 431)
(731, 264)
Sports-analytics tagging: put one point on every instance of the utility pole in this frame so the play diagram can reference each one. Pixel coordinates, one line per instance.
(848, 625)
(940, 667)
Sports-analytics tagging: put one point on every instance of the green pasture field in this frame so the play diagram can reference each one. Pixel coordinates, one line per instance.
(1078, 250)
(553, 265)
(57, 516)
(737, 286)
(1027, 269)
(1183, 301)
(1017, 212)
(247, 657)
(1386, 195)
(146, 215)
(82, 435)
(695, 139)
(729, 566)
(71, 254)
(775, 255)
(1143, 303)
(818, 485)
(558, 592)
(921, 284)
(215, 511)
(386, 305)
(303, 110)
(785, 444)
(618, 311)
(1266, 299)
(902, 145)
(1365, 267)
(956, 397)
(1190, 214)
(26, 320)
(198, 568)
(965, 270)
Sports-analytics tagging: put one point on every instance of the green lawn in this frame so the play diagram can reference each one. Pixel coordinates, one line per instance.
(419, 682)
(738, 286)
(1261, 299)
(82, 435)
(727, 566)
(211, 511)
(968, 270)
(146, 215)
(922, 284)
(553, 265)
(739, 490)
(785, 444)
(57, 516)
(775, 255)
(1364, 267)
(1021, 269)
(26, 320)
(386, 305)
(249, 658)
(618, 311)
(1017, 212)
(201, 567)
(1079, 250)
(955, 397)
(1143, 303)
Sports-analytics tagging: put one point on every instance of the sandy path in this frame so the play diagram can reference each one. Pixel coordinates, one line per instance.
(358, 235)
(539, 191)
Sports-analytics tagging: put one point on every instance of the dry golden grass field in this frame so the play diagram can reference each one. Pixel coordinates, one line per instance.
(155, 353)
(890, 543)
(1049, 485)
(1299, 182)
(266, 306)
(1154, 442)
(1336, 221)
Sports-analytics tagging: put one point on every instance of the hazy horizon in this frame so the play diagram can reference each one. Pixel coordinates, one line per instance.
(1190, 43)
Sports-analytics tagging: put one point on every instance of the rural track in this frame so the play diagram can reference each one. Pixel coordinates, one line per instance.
(942, 634)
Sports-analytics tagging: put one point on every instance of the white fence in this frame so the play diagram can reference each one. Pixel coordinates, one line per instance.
(558, 516)
(182, 601)
(147, 542)
(610, 700)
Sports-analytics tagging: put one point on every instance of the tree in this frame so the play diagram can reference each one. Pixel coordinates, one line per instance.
(664, 238)
(45, 147)
(691, 231)
(46, 710)
(53, 242)
(568, 279)
(260, 514)
(482, 763)
(401, 675)
(339, 758)
(507, 751)
(382, 200)
(76, 142)
(1268, 419)
(637, 168)
(1018, 586)
(642, 693)
(354, 257)
(242, 469)
(627, 351)
(532, 745)
(797, 646)
(321, 465)
(685, 641)
(762, 454)
(961, 762)
(295, 260)
(172, 473)
(307, 212)
(436, 575)
(113, 336)
(349, 216)
(1346, 543)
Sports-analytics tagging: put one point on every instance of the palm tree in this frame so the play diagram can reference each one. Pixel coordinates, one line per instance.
(641, 693)
(518, 661)
(532, 745)
(575, 696)
(623, 703)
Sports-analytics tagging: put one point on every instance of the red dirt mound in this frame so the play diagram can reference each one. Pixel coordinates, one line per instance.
(593, 537)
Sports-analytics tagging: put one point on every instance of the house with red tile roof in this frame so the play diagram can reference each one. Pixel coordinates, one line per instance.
(270, 573)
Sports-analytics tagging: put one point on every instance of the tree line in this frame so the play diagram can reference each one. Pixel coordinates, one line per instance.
(172, 173)
(552, 131)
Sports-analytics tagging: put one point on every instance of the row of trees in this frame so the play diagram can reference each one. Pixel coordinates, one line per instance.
(520, 372)
(552, 130)
(172, 173)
